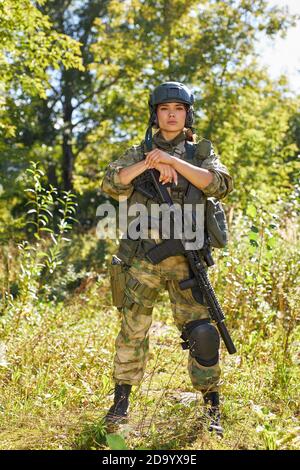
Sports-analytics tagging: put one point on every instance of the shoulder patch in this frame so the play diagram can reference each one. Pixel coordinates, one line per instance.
(204, 148)
(136, 152)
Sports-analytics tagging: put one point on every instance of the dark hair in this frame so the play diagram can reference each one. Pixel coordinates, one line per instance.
(190, 134)
(189, 131)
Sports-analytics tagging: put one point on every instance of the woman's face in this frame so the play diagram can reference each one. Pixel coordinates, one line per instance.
(171, 116)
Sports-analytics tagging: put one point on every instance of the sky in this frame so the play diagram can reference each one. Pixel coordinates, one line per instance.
(283, 55)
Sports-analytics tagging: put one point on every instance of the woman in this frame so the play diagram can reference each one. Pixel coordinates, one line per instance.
(171, 111)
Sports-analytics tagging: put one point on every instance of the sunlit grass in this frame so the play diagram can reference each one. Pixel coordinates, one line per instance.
(57, 385)
(57, 348)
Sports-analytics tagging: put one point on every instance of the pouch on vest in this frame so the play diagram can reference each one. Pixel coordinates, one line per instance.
(128, 249)
(216, 223)
(215, 218)
(118, 280)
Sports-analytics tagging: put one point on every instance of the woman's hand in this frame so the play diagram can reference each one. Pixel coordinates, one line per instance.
(167, 173)
(158, 156)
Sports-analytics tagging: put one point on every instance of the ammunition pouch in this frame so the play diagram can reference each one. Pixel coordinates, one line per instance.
(128, 249)
(215, 218)
(117, 271)
(216, 224)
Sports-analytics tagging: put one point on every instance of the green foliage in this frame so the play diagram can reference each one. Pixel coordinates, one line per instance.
(56, 367)
(249, 123)
(41, 258)
(29, 46)
(210, 46)
(92, 436)
(116, 442)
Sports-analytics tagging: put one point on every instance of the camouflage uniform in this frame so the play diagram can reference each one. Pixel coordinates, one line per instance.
(145, 280)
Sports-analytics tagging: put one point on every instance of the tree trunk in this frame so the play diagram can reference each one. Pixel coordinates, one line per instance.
(68, 155)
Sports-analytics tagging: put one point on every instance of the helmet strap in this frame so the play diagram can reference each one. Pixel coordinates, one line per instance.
(148, 138)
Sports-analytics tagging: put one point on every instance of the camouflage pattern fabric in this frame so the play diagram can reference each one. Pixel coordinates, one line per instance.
(143, 283)
(144, 280)
(205, 157)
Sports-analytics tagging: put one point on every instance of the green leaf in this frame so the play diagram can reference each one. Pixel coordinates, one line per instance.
(31, 202)
(116, 442)
(253, 236)
(48, 212)
(251, 211)
(269, 254)
(31, 222)
(44, 217)
(42, 253)
(53, 238)
(272, 242)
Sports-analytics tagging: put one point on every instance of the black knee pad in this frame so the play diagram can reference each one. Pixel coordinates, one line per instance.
(203, 341)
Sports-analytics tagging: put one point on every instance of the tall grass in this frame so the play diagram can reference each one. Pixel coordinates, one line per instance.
(58, 330)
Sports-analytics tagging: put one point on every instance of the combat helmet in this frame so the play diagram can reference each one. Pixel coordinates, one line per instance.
(175, 92)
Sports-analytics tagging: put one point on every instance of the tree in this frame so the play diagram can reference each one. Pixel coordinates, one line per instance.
(90, 115)
(29, 47)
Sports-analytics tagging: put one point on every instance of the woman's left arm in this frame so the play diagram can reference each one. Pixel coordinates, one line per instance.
(199, 177)
(212, 178)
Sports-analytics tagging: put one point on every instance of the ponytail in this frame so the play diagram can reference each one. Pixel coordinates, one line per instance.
(190, 134)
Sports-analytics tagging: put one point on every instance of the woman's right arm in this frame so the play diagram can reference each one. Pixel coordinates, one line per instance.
(112, 184)
(119, 174)
(126, 175)
(167, 173)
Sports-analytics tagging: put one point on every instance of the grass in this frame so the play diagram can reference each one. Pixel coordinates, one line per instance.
(56, 355)
(57, 386)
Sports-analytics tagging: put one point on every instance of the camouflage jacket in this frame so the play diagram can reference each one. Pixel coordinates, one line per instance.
(204, 157)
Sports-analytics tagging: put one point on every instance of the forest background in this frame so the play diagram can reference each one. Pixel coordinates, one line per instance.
(74, 86)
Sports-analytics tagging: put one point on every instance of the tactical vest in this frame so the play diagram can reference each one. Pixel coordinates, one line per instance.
(216, 227)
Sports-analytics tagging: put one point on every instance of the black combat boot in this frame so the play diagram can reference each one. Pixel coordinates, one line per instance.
(118, 411)
(211, 400)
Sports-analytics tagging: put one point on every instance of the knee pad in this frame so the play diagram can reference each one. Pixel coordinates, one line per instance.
(203, 341)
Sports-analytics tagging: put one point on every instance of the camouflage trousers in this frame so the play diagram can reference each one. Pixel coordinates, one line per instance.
(143, 283)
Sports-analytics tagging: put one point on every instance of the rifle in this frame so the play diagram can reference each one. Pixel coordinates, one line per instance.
(148, 184)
